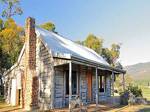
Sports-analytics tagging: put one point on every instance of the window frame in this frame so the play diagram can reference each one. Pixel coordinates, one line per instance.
(101, 80)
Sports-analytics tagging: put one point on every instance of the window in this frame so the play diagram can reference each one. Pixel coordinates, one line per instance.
(74, 82)
(101, 80)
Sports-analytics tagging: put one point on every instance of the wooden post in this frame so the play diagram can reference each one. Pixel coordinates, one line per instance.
(96, 88)
(112, 82)
(70, 84)
(123, 82)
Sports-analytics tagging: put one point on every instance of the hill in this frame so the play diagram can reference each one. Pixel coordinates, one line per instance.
(140, 71)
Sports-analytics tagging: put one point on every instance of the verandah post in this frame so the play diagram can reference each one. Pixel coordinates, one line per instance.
(112, 81)
(70, 84)
(123, 81)
(96, 88)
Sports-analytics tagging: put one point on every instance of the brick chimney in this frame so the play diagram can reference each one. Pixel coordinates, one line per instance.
(31, 79)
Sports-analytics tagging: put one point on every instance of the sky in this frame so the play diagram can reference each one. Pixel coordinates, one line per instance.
(116, 21)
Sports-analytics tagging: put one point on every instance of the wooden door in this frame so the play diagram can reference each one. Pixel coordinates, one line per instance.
(89, 81)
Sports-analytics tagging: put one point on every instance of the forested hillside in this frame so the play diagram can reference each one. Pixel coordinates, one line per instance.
(140, 71)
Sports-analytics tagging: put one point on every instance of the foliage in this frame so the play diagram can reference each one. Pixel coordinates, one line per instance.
(119, 82)
(94, 43)
(135, 90)
(110, 55)
(48, 26)
(11, 41)
(1, 24)
(1, 98)
(12, 8)
(115, 51)
(106, 54)
(79, 42)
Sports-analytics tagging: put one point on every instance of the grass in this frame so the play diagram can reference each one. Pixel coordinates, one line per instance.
(146, 92)
(143, 84)
(134, 108)
(7, 108)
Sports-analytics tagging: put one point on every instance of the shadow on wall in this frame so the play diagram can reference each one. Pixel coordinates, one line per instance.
(35, 86)
(1, 90)
(1, 86)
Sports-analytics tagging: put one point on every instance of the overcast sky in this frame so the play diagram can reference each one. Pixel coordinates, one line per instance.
(119, 21)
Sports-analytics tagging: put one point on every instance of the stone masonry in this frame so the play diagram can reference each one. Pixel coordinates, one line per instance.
(31, 79)
(45, 71)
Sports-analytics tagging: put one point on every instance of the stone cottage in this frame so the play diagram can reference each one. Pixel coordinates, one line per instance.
(51, 70)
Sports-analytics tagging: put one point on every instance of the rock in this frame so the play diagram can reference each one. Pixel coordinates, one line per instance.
(140, 100)
(132, 99)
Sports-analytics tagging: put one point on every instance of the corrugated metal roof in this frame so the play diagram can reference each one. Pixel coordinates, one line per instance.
(61, 45)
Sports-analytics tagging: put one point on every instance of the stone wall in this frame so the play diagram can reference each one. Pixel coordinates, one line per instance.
(108, 85)
(83, 85)
(45, 72)
(93, 88)
(102, 96)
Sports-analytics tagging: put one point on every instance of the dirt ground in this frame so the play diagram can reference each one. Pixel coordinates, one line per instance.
(135, 108)
(101, 108)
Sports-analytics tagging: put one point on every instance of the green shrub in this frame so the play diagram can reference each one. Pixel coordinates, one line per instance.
(135, 90)
(124, 95)
(1, 98)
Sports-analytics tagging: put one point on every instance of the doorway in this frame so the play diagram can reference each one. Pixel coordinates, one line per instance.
(13, 92)
(89, 81)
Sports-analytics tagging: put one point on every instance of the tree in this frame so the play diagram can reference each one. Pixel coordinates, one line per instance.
(48, 26)
(12, 8)
(79, 42)
(111, 55)
(11, 41)
(1, 24)
(119, 83)
(115, 52)
(106, 54)
(94, 43)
